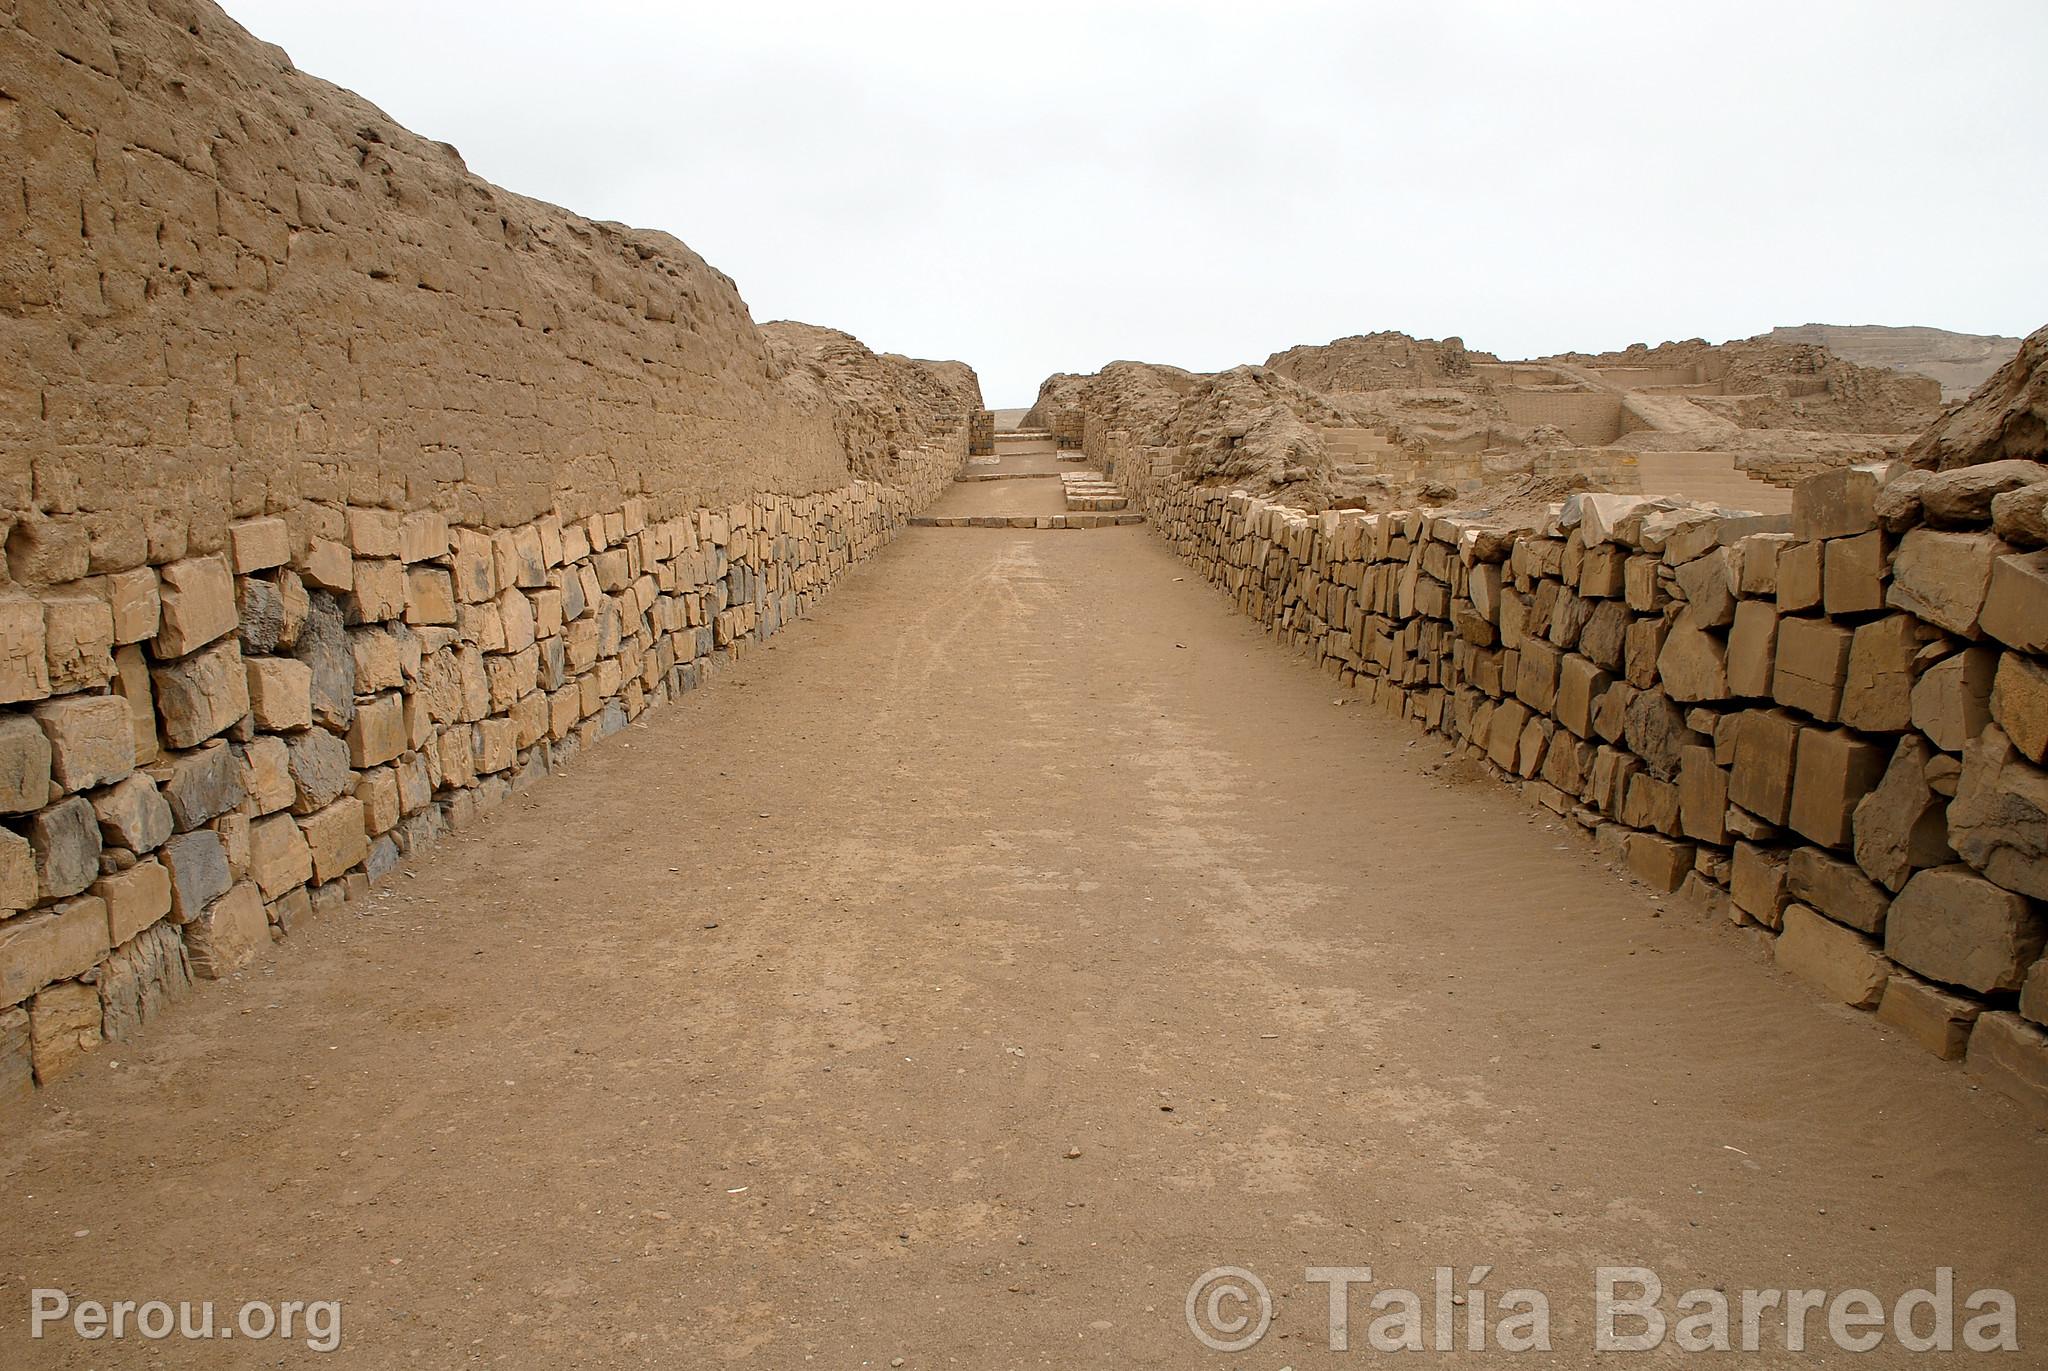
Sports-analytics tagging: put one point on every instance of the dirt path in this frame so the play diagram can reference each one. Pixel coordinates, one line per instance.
(770, 1033)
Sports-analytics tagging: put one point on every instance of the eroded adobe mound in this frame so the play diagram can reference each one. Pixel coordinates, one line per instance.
(2006, 418)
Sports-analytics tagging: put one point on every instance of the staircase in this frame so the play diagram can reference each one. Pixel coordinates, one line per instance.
(1357, 452)
(1710, 476)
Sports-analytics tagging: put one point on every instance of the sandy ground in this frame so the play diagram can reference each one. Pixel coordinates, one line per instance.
(1029, 495)
(956, 979)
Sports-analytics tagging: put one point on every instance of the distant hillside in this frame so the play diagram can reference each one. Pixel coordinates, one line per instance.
(1960, 361)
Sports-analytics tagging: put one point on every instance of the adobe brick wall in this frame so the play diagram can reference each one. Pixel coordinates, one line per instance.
(345, 494)
(1829, 728)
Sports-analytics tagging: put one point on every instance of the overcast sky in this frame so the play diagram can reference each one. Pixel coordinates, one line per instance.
(1048, 187)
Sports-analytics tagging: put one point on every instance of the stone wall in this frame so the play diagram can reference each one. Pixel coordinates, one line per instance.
(344, 495)
(1828, 728)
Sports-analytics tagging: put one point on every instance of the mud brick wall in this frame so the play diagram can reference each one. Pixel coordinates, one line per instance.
(1067, 426)
(343, 494)
(1830, 728)
(981, 433)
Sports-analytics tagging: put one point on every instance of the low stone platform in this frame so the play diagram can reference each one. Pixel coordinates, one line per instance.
(1024, 520)
(1091, 491)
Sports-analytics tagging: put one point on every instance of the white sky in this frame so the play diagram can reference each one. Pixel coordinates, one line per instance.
(1050, 186)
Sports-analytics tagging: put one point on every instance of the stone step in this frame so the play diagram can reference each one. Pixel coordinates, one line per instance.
(1711, 476)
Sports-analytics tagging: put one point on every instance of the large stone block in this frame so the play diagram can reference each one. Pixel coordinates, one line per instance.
(378, 733)
(373, 532)
(2016, 602)
(2021, 516)
(377, 788)
(1943, 577)
(1799, 577)
(197, 602)
(1953, 926)
(92, 740)
(1757, 883)
(1702, 796)
(1835, 769)
(278, 856)
(78, 635)
(1837, 889)
(1840, 961)
(20, 886)
(280, 693)
(24, 658)
(272, 612)
(1952, 698)
(201, 695)
(337, 837)
(200, 785)
(48, 945)
(1642, 644)
(141, 979)
(267, 775)
(429, 596)
(328, 566)
(1659, 863)
(135, 899)
(133, 814)
(1536, 677)
(228, 934)
(259, 544)
(320, 769)
(24, 765)
(1766, 748)
(1836, 504)
(1852, 573)
(198, 863)
(66, 839)
(1929, 1015)
(1812, 666)
(131, 683)
(1901, 826)
(379, 591)
(1709, 586)
(2012, 1056)
(1580, 684)
(1998, 821)
(423, 536)
(133, 604)
(323, 644)
(1878, 694)
(1656, 731)
(1752, 648)
(64, 1025)
(474, 564)
(1693, 664)
(1963, 497)
(2019, 704)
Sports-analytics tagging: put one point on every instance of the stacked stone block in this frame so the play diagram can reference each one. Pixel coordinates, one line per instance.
(198, 753)
(1830, 727)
